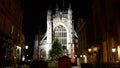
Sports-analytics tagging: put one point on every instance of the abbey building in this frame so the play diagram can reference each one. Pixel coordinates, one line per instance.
(60, 26)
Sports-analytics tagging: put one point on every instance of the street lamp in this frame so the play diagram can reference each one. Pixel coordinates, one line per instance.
(90, 52)
(113, 50)
(26, 51)
(26, 47)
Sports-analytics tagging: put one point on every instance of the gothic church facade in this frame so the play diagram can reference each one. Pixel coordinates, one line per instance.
(59, 26)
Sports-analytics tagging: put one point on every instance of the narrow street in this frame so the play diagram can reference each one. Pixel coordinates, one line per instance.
(75, 67)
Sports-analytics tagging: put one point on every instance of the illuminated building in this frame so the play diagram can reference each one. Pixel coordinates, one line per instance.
(59, 26)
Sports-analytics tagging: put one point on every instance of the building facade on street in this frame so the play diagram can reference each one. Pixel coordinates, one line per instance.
(99, 39)
(81, 29)
(11, 37)
(106, 23)
(59, 26)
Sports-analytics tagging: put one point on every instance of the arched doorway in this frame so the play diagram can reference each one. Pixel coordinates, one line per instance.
(42, 54)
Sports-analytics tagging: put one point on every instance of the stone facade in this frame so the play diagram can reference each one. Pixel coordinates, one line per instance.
(101, 34)
(59, 26)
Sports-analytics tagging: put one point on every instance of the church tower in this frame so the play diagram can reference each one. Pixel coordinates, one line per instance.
(69, 12)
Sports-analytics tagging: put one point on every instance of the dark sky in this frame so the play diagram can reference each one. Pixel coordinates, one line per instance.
(35, 12)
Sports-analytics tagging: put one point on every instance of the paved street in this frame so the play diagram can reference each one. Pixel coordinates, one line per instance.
(105, 65)
(75, 67)
(24, 66)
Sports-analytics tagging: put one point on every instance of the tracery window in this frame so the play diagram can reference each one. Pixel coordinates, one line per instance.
(61, 34)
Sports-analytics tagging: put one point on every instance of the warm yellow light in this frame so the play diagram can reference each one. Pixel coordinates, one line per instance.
(89, 50)
(84, 55)
(80, 55)
(118, 49)
(95, 49)
(113, 49)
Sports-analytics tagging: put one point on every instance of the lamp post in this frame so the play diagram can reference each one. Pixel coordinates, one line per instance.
(26, 51)
(90, 52)
(113, 50)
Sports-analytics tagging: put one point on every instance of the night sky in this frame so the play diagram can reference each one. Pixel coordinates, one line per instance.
(35, 12)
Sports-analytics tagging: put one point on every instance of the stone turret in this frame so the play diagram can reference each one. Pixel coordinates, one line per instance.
(69, 12)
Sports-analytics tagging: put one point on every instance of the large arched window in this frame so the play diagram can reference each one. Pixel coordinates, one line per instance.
(61, 34)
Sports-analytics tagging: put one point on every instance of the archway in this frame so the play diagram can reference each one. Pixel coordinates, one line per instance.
(42, 54)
